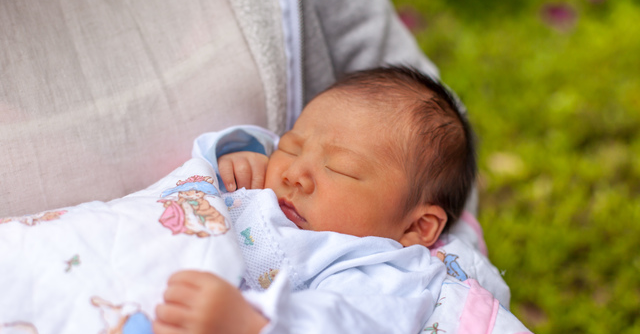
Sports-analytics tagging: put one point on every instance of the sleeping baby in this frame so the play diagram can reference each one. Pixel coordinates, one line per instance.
(365, 182)
(329, 233)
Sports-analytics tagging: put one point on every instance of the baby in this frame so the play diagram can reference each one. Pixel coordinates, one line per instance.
(383, 157)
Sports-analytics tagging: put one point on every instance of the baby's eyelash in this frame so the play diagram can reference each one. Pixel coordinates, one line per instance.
(286, 152)
(341, 173)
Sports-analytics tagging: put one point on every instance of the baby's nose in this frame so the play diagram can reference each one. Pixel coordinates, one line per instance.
(300, 176)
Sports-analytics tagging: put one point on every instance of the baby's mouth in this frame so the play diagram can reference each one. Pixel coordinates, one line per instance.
(291, 213)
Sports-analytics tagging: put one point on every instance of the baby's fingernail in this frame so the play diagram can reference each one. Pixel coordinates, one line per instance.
(231, 186)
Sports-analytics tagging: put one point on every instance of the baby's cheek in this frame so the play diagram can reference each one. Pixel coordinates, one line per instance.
(271, 178)
(270, 183)
(344, 216)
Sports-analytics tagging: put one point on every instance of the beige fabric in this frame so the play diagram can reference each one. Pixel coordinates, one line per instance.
(261, 23)
(100, 98)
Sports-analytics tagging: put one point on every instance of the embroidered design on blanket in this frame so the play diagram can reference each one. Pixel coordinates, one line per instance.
(18, 327)
(248, 239)
(74, 261)
(232, 203)
(31, 220)
(267, 278)
(122, 319)
(191, 211)
(434, 329)
(453, 267)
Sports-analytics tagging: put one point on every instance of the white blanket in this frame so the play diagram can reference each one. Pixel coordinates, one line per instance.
(102, 267)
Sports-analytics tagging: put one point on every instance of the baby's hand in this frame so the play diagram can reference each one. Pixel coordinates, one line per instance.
(243, 169)
(198, 303)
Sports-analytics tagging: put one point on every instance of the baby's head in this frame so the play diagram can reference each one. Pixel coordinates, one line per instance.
(383, 152)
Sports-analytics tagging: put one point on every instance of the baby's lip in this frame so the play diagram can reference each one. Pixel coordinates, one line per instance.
(290, 211)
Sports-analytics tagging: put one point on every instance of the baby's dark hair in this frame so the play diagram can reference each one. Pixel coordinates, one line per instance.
(439, 145)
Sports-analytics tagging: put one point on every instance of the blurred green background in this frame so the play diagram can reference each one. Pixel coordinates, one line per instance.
(553, 90)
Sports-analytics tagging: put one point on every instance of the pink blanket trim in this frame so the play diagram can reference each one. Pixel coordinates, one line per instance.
(480, 310)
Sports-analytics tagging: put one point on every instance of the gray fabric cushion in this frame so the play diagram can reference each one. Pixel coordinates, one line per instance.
(346, 36)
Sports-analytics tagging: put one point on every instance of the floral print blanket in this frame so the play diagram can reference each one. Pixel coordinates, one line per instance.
(101, 267)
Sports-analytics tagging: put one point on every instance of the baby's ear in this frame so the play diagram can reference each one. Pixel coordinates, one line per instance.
(426, 224)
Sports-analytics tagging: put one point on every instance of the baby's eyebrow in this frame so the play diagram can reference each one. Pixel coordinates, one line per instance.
(334, 148)
(362, 159)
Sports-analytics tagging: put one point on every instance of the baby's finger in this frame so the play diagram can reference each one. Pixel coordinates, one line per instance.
(225, 168)
(257, 181)
(180, 294)
(162, 328)
(193, 278)
(172, 318)
(242, 172)
(259, 172)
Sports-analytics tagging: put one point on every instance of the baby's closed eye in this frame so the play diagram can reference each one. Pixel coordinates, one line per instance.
(343, 170)
(289, 145)
(286, 151)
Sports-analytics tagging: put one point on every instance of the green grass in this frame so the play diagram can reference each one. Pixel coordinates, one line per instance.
(557, 113)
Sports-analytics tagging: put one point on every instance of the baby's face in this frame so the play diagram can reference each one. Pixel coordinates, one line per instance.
(333, 171)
